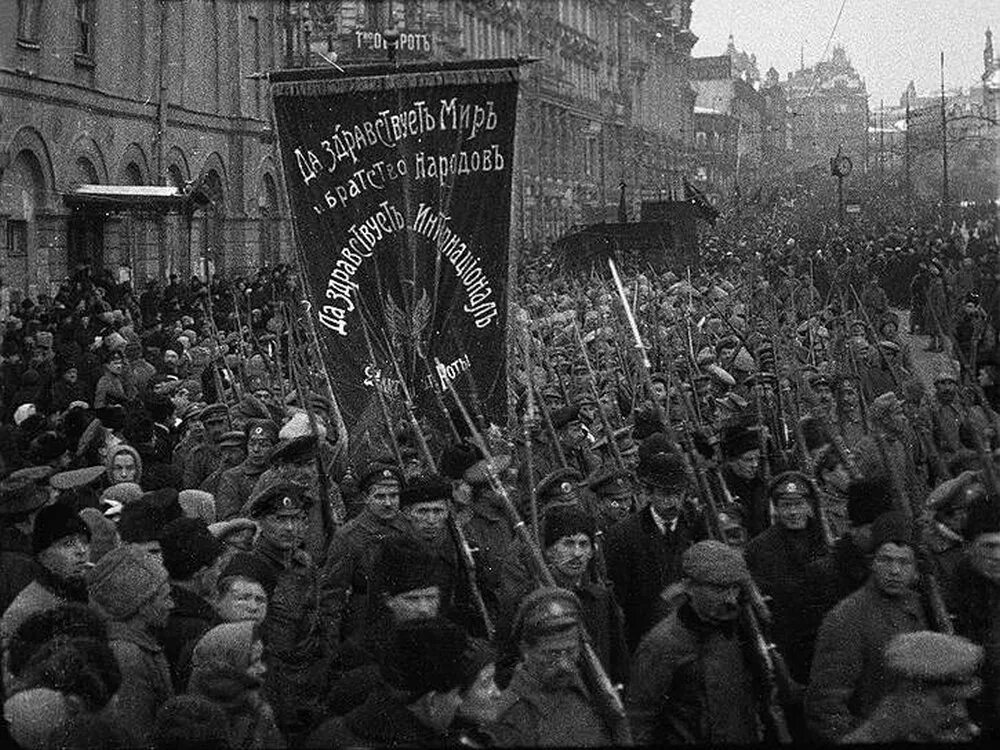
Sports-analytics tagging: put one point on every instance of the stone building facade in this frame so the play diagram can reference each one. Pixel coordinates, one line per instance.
(133, 93)
(608, 100)
(828, 110)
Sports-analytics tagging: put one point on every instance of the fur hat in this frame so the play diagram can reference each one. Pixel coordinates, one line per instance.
(566, 520)
(426, 655)
(403, 564)
(55, 522)
(124, 580)
(892, 527)
(188, 546)
(425, 490)
(867, 499)
(144, 519)
(250, 566)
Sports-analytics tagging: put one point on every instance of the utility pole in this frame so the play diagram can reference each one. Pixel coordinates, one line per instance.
(944, 143)
(881, 140)
(906, 152)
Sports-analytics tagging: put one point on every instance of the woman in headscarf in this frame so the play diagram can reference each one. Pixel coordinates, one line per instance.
(228, 669)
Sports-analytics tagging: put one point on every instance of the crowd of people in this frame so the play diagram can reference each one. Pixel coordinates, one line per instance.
(762, 521)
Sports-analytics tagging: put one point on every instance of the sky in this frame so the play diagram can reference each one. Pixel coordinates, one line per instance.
(889, 42)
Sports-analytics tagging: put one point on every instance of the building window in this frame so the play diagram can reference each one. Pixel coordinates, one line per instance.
(85, 29)
(28, 12)
(17, 238)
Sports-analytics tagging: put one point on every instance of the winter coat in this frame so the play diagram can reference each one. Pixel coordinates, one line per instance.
(777, 560)
(219, 673)
(848, 676)
(18, 566)
(974, 601)
(532, 716)
(691, 683)
(825, 581)
(45, 592)
(642, 562)
(297, 639)
(145, 685)
(235, 487)
(350, 561)
(381, 721)
(189, 620)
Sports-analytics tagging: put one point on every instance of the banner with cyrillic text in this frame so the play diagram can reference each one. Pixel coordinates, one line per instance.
(399, 185)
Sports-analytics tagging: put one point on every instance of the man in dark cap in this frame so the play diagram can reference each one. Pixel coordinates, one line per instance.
(573, 438)
(547, 702)
(294, 460)
(232, 452)
(236, 484)
(297, 629)
(614, 496)
(560, 487)
(568, 546)
(60, 542)
(347, 574)
(426, 505)
(691, 681)
(832, 577)
(191, 556)
(848, 677)
(644, 551)
(933, 678)
(424, 672)
(142, 521)
(943, 537)
(407, 584)
(741, 471)
(204, 457)
(22, 495)
(778, 557)
(974, 599)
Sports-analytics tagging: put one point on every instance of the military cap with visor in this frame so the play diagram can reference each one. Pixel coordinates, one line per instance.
(279, 496)
(377, 472)
(559, 487)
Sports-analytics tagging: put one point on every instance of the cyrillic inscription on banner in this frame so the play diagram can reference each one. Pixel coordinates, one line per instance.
(399, 183)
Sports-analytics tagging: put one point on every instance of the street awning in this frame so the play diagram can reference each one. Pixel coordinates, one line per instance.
(125, 197)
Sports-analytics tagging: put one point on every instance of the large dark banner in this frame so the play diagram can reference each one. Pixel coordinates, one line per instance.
(399, 182)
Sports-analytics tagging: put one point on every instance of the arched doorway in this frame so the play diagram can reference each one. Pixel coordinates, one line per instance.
(85, 232)
(22, 198)
(213, 247)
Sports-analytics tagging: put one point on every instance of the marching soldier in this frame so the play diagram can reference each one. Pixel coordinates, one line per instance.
(350, 558)
(204, 458)
(644, 551)
(232, 449)
(236, 484)
(934, 678)
(849, 675)
(547, 702)
(297, 633)
(691, 681)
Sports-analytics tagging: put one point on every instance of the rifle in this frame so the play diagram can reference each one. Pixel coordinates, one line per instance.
(526, 423)
(329, 527)
(810, 469)
(609, 698)
(458, 536)
(592, 383)
(550, 429)
(770, 660)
